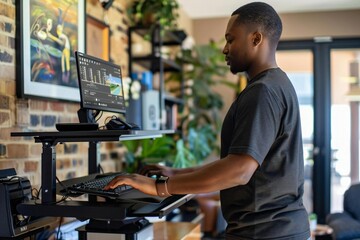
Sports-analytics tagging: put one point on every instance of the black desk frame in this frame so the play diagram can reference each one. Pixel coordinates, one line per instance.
(79, 209)
(49, 141)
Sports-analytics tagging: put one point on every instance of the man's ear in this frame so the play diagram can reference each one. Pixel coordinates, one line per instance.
(257, 38)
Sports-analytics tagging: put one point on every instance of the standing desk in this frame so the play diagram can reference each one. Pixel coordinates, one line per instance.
(91, 209)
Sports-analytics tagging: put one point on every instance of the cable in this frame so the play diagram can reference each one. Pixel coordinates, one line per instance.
(56, 202)
(96, 114)
(101, 169)
(20, 218)
(66, 196)
(63, 186)
(59, 232)
(59, 201)
(36, 195)
(103, 127)
(107, 119)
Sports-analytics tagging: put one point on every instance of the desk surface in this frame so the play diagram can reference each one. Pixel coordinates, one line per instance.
(92, 135)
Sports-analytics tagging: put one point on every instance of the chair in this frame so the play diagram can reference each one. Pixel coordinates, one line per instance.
(346, 225)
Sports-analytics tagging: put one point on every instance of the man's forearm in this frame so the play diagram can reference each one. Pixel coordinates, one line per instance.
(183, 170)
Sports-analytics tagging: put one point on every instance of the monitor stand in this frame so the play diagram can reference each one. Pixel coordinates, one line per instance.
(130, 229)
(87, 115)
(86, 122)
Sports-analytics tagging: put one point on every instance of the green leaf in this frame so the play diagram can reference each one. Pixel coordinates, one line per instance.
(184, 158)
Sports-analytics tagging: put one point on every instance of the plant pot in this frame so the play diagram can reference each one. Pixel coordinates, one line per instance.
(148, 19)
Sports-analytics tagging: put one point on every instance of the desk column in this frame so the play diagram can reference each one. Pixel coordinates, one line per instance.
(93, 157)
(48, 173)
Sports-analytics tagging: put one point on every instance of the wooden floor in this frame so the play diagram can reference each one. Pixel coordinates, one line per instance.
(177, 231)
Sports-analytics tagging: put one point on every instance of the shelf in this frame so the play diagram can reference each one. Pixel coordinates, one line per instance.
(159, 63)
(169, 38)
(153, 63)
(354, 94)
(173, 100)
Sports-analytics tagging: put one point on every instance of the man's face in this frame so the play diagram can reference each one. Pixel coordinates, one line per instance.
(237, 50)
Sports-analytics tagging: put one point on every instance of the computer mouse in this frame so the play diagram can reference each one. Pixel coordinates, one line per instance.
(116, 124)
(134, 126)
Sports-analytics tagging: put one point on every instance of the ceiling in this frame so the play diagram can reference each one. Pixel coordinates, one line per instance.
(222, 8)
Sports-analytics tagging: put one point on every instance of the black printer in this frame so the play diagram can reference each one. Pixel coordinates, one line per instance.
(15, 190)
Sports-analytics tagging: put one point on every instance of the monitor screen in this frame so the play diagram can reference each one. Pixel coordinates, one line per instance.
(100, 82)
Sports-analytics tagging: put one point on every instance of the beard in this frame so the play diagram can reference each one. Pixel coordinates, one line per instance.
(235, 68)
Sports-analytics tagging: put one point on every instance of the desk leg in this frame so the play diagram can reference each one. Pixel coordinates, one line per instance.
(93, 166)
(93, 157)
(48, 173)
(82, 235)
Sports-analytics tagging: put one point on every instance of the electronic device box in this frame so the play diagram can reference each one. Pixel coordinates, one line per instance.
(15, 190)
(150, 110)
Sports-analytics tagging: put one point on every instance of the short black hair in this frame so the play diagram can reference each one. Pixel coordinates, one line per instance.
(262, 15)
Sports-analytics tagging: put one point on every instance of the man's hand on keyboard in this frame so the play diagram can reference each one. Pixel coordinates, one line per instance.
(137, 181)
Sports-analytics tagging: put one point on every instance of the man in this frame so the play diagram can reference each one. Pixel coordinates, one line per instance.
(260, 173)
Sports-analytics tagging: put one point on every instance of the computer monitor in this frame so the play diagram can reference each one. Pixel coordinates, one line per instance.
(101, 86)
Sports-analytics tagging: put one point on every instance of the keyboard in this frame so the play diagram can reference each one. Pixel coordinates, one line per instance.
(96, 186)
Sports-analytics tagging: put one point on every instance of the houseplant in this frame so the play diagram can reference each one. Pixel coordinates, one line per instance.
(200, 119)
(166, 150)
(204, 69)
(150, 12)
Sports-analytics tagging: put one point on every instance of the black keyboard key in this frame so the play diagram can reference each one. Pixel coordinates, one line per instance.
(96, 186)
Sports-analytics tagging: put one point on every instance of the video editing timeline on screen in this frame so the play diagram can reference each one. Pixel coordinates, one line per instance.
(101, 84)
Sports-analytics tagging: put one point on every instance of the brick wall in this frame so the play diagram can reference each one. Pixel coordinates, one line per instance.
(16, 114)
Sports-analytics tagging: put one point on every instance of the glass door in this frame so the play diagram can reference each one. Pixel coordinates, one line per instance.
(298, 65)
(331, 121)
(345, 97)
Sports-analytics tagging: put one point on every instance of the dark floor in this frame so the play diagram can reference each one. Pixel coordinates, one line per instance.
(213, 238)
(217, 237)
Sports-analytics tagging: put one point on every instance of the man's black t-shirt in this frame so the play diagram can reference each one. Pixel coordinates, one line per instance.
(264, 122)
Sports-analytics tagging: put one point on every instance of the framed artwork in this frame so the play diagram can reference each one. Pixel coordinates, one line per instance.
(97, 38)
(49, 33)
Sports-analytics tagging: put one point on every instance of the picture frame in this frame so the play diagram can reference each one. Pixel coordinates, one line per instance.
(97, 38)
(48, 33)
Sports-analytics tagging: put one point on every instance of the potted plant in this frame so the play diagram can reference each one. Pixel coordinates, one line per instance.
(150, 12)
(204, 69)
(201, 121)
(165, 150)
(145, 151)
